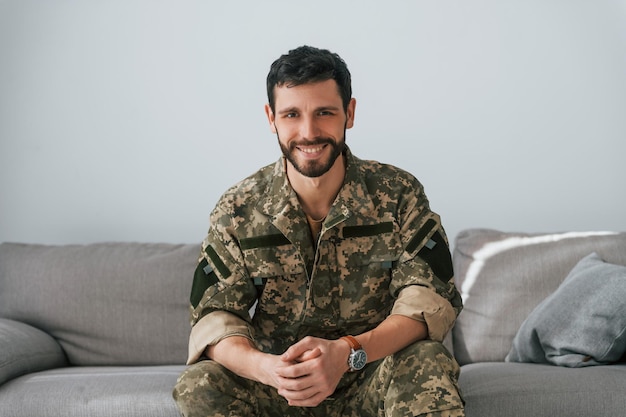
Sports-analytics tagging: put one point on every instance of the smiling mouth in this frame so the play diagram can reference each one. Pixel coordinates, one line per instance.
(311, 149)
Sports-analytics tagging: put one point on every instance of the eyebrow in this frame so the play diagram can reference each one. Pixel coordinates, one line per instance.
(317, 109)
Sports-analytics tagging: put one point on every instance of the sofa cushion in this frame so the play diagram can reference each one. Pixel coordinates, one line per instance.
(93, 391)
(525, 389)
(582, 323)
(24, 349)
(105, 303)
(503, 276)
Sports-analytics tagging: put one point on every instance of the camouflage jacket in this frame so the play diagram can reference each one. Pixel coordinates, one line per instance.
(381, 251)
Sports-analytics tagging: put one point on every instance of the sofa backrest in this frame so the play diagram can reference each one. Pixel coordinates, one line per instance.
(504, 276)
(105, 303)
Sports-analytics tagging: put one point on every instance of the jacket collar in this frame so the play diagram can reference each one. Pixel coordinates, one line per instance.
(281, 202)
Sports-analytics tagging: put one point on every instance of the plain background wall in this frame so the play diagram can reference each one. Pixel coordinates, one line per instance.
(125, 120)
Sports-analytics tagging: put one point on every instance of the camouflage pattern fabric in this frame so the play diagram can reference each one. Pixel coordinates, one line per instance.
(379, 237)
(373, 243)
(420, 380)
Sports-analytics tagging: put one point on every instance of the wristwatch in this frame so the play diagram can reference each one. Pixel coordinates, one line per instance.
(358, 357)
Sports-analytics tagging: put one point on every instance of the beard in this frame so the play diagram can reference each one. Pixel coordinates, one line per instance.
(313, 169)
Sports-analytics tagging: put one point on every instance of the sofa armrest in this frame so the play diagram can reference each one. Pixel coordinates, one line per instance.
(25, 349)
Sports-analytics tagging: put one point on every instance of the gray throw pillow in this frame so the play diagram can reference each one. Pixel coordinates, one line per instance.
(25, 349)
(582, 323)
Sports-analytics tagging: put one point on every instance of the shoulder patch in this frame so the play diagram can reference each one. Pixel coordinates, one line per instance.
(203, 278)
(438, 257)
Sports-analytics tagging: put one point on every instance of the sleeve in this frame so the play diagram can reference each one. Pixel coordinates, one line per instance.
(222, 292)
(423, 279)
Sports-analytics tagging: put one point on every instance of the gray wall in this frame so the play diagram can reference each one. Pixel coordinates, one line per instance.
(125, 120)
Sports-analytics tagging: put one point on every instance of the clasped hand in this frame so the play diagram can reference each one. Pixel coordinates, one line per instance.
(309, 371)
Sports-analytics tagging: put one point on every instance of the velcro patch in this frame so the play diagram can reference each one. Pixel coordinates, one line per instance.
(438, 257)
(203, 278)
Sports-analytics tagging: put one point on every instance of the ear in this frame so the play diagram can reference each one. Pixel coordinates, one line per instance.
(350, 113)
(270, 118)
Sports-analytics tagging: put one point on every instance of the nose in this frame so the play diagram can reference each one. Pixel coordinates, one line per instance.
(309, 130)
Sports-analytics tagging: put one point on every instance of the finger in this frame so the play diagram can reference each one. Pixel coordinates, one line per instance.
(294, 391)
(309, 354)
(295, 385)
(296, 350)
(296, 370)
(308, 399)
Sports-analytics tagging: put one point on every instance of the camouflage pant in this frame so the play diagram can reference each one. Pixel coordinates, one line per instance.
(420, 380)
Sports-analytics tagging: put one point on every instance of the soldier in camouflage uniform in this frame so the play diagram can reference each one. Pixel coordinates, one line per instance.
(321, 245)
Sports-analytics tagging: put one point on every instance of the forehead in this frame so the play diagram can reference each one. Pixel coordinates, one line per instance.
(310, 94)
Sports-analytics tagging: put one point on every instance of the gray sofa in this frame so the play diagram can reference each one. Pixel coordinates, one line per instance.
(93, 330)
(504, 279)
(101, 329)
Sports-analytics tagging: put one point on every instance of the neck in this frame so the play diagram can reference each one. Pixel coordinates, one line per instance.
(317, 194)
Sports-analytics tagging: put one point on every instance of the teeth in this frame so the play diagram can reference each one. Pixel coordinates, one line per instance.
(311, 150)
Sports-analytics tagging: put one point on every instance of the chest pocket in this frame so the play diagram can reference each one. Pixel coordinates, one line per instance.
(365, 245)
(365, 256)
(270, 256)
(277, 270)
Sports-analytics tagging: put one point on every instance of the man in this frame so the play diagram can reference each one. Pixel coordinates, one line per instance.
(349, 269)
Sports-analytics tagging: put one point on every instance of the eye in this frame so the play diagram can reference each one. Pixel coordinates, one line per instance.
(291, 115)
(325, 113)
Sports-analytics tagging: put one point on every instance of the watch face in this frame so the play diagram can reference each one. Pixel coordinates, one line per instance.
(358, 360)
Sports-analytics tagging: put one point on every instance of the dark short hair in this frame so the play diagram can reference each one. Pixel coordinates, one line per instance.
(308, 64)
